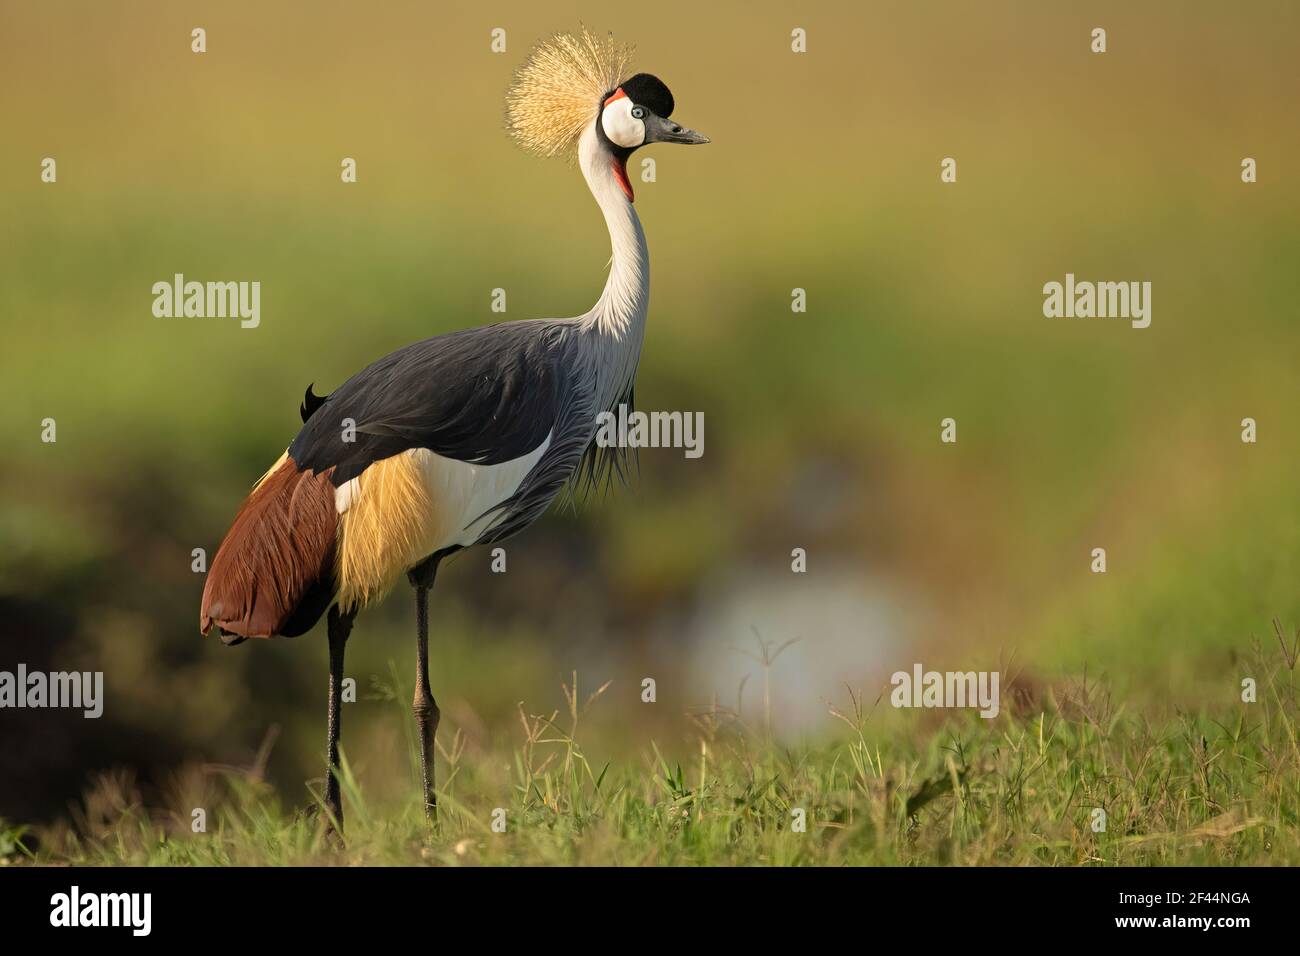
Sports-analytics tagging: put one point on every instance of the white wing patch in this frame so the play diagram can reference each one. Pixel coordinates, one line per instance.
(461, 492)
(345, 493)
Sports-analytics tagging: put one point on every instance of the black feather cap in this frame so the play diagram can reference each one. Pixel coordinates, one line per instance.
(646, 89)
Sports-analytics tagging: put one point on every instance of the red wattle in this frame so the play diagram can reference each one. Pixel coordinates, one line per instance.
(620, 171)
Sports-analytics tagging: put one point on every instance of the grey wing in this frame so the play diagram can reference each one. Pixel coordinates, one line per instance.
(572, 436)
(485, 395)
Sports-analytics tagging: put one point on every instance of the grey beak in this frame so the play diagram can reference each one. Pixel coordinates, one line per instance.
(660, 130)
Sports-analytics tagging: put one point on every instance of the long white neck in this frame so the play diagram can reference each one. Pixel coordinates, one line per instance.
(617, 321)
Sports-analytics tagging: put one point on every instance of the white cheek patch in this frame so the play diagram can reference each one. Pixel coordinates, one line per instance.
(622, 128)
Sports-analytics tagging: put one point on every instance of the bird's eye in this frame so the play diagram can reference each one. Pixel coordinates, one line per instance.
(638, 112)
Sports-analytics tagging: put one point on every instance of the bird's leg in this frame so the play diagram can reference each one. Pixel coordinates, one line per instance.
(340, 626)
(423, 705)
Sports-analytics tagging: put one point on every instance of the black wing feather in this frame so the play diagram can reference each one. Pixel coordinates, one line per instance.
(310, 402)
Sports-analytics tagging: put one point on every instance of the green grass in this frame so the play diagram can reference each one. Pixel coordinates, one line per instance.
(1219, 784)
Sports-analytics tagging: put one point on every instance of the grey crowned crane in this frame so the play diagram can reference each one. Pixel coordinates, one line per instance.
(462, 439)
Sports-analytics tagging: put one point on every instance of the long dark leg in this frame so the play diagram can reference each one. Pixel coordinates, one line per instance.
(340, 626)
(423, 705)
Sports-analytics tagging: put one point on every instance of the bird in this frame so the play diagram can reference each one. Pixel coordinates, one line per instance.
(463, 439)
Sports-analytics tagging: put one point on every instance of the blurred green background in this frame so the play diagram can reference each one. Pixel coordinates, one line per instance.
(822, 429)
